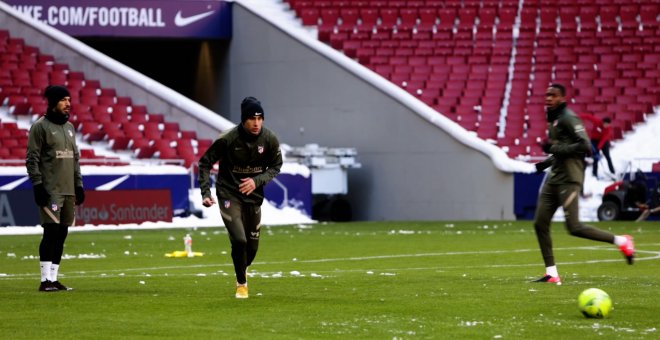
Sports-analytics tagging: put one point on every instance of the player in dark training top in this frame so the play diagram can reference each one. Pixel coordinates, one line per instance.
(249, 157)
(568, 145)
(53, 166)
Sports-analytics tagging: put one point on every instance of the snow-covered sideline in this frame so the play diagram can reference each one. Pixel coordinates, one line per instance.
(270, 216)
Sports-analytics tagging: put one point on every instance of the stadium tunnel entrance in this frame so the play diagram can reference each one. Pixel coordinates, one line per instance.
(192, 67)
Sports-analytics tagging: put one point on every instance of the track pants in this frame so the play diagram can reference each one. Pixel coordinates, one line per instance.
(566, 196)
(243, 222)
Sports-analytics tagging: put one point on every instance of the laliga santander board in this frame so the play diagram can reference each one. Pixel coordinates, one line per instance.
(124, 206)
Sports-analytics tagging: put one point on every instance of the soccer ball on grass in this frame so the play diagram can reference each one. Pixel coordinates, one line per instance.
(595, 303)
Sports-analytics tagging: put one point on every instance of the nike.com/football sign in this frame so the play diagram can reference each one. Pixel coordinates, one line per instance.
(206, 19)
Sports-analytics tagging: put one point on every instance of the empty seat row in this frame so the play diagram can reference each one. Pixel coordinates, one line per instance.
(606, 52)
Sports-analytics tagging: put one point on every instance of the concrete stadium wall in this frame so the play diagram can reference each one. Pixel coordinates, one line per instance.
(412, 170)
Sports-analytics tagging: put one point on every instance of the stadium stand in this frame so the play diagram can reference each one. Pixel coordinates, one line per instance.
(486, 64)
(124, 131)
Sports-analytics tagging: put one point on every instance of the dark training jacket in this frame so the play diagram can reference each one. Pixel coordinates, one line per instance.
(570, 145)
(53, 158)
(241, 155)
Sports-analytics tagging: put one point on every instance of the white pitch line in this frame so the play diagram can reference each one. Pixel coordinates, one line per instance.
(656, 256)
(379, 257)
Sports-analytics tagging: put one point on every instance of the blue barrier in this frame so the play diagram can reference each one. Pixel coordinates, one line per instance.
(525, 194)
(17, 205)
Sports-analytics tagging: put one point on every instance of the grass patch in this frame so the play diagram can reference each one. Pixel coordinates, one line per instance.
(366, 280)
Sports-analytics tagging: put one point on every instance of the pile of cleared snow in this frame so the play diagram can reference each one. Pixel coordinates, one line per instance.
(270, 215)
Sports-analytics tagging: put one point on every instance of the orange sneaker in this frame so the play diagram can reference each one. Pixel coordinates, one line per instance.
(628, 249)
(241, 291)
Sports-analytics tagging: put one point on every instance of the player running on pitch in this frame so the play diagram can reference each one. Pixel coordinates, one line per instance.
(249, 157)
(567, 146)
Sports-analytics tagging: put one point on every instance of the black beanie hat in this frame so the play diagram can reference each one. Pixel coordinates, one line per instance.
(251, 107)
(54, 94)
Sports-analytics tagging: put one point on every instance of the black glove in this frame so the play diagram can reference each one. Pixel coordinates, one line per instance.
(80, 195)
(540, 167)
(546, 147)
(41, 196)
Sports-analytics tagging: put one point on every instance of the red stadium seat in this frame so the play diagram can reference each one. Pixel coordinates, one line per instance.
(138, 109)
(588, 17)
(548, 18)
(369, 17)
(309, 16)
(87, 153)
(448, 18)
(408, 17)
(655, 167)
(119, 143)
(152, 130)
(607, 15)
(20, 109)
(388, 17)
(18, 153)
(91, 132)
(139, 117)
(113, 130)
(165, 150)
(145, 151)
(349, 16)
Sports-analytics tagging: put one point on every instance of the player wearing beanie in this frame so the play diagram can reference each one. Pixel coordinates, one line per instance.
(249, 157)
(53, 168)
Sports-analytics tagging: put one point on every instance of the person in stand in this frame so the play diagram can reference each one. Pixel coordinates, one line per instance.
(567, 146)
(601, 136)
(53, 167)
(249, 157)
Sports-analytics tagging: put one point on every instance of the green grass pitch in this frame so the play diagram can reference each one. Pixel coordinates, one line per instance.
(378, 280)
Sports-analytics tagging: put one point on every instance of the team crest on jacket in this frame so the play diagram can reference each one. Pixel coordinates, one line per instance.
(227, 204)
(260, 149)
(53, 207)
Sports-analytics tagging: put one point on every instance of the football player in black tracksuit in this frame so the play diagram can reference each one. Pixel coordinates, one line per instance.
(567, 146)
(53, 167)
(249, 157)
